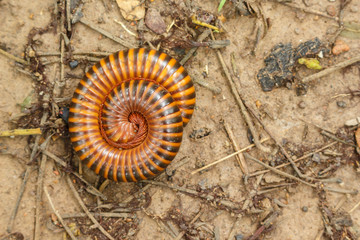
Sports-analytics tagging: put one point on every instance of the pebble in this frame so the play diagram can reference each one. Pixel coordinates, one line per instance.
(239, 237)
(302, 105)
(297, 31)
(304, 209)
(341, 104)
(340, 47)
(73, 64)
(354, 9)
(331, 10)
(316, 157)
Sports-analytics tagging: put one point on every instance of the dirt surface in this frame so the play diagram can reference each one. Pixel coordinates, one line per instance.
(159, 212)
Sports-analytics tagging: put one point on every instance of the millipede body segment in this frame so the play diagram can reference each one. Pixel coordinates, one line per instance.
(128, 112)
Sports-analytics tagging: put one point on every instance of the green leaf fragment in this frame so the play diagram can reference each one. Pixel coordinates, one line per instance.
(311, 63)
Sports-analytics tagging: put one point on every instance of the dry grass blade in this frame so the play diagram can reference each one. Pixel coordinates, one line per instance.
(227, 157)
(20, 132)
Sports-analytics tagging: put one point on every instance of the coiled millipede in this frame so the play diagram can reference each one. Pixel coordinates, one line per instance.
(128, 112)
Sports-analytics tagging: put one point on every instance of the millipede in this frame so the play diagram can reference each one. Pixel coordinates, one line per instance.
(128, 113)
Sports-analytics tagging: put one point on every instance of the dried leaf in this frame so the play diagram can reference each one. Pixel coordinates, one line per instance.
(131, 9)
(351, 30)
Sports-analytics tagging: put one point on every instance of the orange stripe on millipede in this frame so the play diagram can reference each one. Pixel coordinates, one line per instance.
(139, 63)
(102, 77)
(115, 69)
(107, 72)
(122, 64)
(148, 63)
(131, 62)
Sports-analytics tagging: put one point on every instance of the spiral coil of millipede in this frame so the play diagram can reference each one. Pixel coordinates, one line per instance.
(128, 112)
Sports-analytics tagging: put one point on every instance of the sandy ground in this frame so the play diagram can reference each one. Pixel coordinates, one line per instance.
(279, 111)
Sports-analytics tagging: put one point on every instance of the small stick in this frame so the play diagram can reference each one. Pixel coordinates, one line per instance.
(215, 89)
(20, 132)
(310, 11)
(296, 160)
(12, 57)
(191, 52)
(191, 223)
(355, 207)
(206, 197)
(240, 157)
(296, 178)
(107, 34)
(22, 189)
(67, 229)
(227, 157)
(318, 126)
(124, 27)
(26, 176)
(331, 69)
(267, 223)
(241, 103)
(99, 214)
(39, 187)
(282, 149)
(104, 185)
(329, 135)
(91, 189)
(68, 15)
(195, 21)
(77, 196)
(278, 171)
(96, 54)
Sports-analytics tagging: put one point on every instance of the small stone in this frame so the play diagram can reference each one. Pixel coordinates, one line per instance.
(304, 209)
(31, 53)
(297, 31)
(316, 157)
(239, 237)
(302, 104)
(73, 64)
(354, 9)
(331, 10)
(341, 104)
(340, 47)
(321, 54)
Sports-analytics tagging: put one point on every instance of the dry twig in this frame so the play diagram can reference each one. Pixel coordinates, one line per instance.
(240, 157)
(106, 34)
(20, 132)
(240, 103)
(226, 203)
(296, 178)
(310, 11)
(67, 229)
(227, 157)
(12, 57)
(92, 218)
(39, 188)
(296, 160)
(331, 69)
